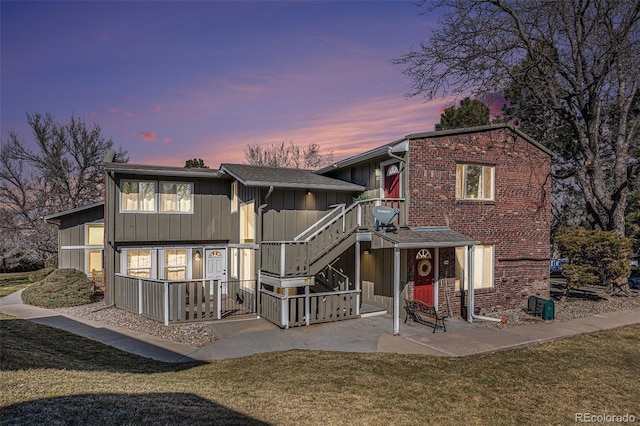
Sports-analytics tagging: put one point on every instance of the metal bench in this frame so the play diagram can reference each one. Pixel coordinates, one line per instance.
(422, 313)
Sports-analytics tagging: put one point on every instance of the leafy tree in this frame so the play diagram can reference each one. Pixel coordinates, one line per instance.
(61, 169)
(196, 163)
(575, 63)
(594, 257)
(281, 155)
(471, 113)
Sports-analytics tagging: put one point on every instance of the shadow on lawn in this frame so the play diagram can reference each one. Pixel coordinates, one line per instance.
(100, 408)
(28, 345)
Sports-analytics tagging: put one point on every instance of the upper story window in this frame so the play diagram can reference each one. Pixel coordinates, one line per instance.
(141, 196)
(474, 182)
(138, 196)
(95, 235)
(234, 196)
(176, 197)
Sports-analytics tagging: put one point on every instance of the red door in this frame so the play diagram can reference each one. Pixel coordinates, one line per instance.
(392, 180)
(423, 282)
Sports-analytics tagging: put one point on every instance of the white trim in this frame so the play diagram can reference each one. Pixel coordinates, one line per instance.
(234, 197)
(94, 247)
(160, 193)
(121, 195)
(157, 196)
(93, 225)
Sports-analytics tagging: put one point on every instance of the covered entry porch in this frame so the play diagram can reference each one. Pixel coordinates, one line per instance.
(417, 263)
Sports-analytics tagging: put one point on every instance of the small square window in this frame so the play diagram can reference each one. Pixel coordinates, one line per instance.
(474, 182)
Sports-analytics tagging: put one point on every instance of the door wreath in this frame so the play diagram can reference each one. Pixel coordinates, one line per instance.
(424, 267)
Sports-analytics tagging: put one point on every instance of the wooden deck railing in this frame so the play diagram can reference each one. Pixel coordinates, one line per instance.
(184, 301)
(291, 311)
(294, 258)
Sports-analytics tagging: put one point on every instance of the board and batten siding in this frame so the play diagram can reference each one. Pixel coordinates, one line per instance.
(210, 220)
(73, 236)
(289, 212)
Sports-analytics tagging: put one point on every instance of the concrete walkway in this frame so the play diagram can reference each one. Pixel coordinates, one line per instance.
(370, 334)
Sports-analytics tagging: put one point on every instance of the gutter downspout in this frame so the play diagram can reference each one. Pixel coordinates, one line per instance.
(261, 208)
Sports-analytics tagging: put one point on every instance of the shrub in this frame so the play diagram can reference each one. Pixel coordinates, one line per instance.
(594, 257)
(40, 274)
(61, 288)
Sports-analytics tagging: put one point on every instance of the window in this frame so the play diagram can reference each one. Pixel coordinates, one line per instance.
(247, 223)
(175, 264)
(94, 261)
(95, 235)
(234, 196)
(474, 182)
(138, 196)
(482, 267)
(176, 197)
(138, 263)
(234, 262)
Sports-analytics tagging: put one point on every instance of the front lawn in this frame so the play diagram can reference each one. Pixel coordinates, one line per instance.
(50, 376)
(10, 283)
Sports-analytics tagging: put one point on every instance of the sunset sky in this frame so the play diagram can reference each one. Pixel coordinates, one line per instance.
(169, 81)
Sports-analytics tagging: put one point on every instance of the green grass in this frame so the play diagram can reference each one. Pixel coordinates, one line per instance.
(50, 376)
(61, 288)
(10, 283)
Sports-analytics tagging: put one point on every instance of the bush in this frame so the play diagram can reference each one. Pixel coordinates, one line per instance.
(594, 257)
(61, 288)
(40, 275)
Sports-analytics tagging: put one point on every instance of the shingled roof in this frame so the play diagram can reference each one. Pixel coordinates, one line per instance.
(280, 177)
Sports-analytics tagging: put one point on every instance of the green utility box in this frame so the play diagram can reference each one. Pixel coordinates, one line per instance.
(541, 307)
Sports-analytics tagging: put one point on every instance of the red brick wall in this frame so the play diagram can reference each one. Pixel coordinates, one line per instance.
(517, 222)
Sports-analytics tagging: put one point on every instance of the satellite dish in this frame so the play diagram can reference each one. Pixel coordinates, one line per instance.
(385, 216)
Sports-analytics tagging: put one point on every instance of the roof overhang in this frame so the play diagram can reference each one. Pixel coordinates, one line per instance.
(396, 147)
(341, 186)
(144, 169)
(59, 215)
(421, 237)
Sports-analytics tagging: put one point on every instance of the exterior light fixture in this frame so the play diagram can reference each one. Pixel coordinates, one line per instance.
(198, 256)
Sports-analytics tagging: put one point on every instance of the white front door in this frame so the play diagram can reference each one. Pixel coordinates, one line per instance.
(216, 266)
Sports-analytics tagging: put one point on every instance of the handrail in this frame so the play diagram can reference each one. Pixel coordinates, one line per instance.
(360, 221)
(318, 222)
(346, 278)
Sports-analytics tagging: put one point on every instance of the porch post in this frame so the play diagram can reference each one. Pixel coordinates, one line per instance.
(436, 276)
(217, 285)
(396, 291)
(140, 296)
(307, 305)
(357, 278)
(470, 252)
(259, 295)
(166, 303)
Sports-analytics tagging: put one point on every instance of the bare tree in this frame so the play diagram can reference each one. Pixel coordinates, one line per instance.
(576, 60)
(63, 170)
(282, 155)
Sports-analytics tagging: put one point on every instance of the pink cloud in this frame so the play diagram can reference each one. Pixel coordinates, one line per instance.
(148, 136)
(167, 140)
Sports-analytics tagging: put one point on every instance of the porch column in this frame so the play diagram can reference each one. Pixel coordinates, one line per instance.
(436, 277)
(470, 251)
(396, 291)
(357, 278)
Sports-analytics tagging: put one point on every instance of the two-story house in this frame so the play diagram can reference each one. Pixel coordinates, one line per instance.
(470, 210)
